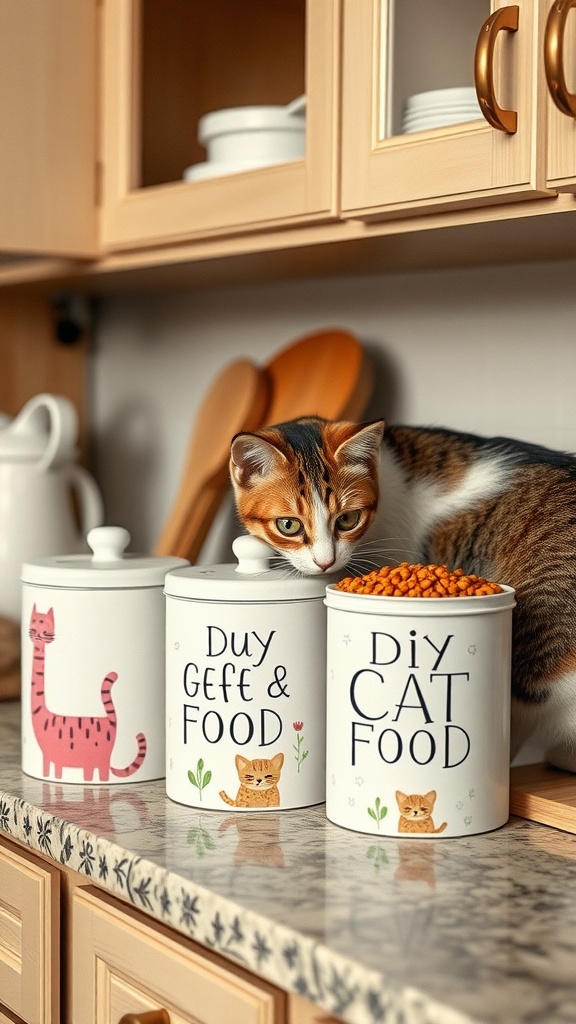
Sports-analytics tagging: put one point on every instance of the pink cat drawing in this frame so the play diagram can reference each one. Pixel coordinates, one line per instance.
(69, 741)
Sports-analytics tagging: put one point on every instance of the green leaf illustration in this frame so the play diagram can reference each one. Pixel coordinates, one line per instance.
(199, 780)
(378, 812)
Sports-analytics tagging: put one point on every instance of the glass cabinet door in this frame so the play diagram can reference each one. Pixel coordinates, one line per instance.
(169, 66)
(442, 104)
(560, 67)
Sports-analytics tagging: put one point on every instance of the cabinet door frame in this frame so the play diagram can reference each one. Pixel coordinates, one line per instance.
(29, 936)
(562, 127)
(459, 166)
(48, 93)
(282, 195)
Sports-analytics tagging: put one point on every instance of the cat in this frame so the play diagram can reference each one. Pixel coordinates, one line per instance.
(69, 741)
(327, 495)
(416, 812)
(258, 782)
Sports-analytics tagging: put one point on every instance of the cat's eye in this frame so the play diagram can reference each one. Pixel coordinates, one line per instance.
(348, 520)
(289, 527)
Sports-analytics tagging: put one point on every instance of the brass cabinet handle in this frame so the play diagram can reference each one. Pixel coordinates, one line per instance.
(150, 1017)
(504, 18)
(554, 57)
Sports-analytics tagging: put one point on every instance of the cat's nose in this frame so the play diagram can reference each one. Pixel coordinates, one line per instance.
(324, 566)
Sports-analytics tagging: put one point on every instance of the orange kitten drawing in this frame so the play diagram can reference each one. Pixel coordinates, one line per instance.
(416, 812)
(258, 782)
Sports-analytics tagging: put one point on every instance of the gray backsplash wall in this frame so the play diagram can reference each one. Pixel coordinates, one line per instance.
(488, 350)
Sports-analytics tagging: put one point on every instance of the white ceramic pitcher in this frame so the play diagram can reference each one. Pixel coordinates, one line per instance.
(39, 484)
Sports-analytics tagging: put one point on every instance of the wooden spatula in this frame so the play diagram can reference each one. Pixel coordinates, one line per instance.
(237, 400)
(326, 373)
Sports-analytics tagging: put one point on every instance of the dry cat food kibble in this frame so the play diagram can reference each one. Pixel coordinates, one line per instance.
(406, 580)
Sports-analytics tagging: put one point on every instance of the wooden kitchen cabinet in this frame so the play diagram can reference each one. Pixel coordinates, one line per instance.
(97, 135)
(29, 938)
(164, 66)
(393, 50)
(115, 960)
(124, 964)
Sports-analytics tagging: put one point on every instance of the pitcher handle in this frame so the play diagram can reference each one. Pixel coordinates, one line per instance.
(63, 427)
(90, 503)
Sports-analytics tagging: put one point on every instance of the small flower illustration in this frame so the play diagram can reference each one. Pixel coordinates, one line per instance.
(300, 754)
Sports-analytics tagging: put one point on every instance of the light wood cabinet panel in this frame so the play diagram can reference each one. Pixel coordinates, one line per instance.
(48, 64)
(386, 173)
(29, 938)
(123, 964)
(166, 65)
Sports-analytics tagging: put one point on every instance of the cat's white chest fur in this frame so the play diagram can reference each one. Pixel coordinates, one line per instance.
(409, 509)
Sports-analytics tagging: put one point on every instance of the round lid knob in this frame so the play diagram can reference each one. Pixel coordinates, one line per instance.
(253, 555)
(108, 543)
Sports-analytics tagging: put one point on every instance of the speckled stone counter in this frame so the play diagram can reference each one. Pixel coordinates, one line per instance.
(437, 932)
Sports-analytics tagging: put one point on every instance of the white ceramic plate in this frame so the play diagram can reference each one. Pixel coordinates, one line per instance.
(216, 169)
(441, 97)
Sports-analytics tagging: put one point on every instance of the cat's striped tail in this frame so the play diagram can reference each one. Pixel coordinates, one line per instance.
(106, 696)
(122, 773)
(226, 799)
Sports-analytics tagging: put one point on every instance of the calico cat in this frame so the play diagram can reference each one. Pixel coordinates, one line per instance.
(258, 782)
(69, 741)
(327, 495)
(416, 813)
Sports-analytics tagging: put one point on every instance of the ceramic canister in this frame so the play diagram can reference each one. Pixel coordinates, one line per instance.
(93, 664)
(418, 713)
(245, 685)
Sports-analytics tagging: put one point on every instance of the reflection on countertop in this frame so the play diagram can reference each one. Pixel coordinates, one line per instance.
(371, 929)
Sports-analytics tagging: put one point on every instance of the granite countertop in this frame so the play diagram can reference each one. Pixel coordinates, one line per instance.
(371, 929)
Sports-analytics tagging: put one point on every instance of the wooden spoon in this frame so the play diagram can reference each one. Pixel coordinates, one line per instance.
(237, 400)
(325, 374)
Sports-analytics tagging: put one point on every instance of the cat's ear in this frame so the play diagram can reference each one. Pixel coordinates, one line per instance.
(362, 443)
(278, 761)
(400, 797)
(241, 762)
(253, 456)
(430, 797)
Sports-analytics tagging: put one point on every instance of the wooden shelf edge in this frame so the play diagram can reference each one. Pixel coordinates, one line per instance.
(544, 794)
(533, 230)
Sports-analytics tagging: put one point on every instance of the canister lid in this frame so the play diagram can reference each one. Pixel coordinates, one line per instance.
(251, 579)
(108, 566)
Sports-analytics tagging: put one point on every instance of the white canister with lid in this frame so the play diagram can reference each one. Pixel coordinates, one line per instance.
(245, 685)
(418, 713)
(93, 664)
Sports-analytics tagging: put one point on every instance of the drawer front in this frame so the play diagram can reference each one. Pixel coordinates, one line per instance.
(29, 937)
(123, 964)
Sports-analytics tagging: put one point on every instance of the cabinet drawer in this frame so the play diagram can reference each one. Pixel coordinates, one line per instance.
(29, 937)
(123, 964)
